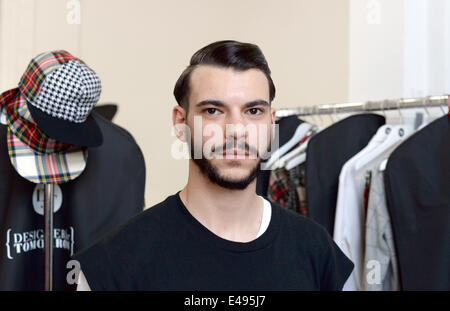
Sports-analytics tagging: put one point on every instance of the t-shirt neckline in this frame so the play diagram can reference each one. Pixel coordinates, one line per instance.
(260, 242)
(266, 216)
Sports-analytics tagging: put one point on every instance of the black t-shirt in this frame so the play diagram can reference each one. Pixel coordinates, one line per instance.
(108, 192)
(166, 248)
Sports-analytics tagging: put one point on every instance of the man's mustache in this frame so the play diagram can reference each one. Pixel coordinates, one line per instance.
(242, 147)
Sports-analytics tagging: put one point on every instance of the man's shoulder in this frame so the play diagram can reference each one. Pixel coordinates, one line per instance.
(303, 228)
(150, 224)
(309, 238)
(138, 241)
(150, 219)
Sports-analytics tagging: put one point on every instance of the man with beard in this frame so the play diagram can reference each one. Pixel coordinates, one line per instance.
(217, 233)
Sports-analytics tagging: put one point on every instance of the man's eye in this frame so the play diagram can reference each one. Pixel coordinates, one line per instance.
(255, 111)
(211, 111)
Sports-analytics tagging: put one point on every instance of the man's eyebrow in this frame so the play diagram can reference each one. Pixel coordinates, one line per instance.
(218, 103)
(215, 103)
(256, 103)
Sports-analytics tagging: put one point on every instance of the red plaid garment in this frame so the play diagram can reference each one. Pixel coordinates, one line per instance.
(21, 123)
(279, 186)
(279, 182)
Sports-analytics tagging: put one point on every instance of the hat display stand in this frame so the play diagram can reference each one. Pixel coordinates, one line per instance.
(48, 227)
(48, 101)
(49, 190)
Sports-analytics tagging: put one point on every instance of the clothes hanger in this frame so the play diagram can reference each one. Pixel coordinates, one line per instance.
(281, 162)
(428, 118)
(443, 110)
(385, 129)
(296, 161)
(314, 116)
(409, 122)
(336, 114)
(298, 156)
(379, 137)
(319, 116)
(298, 150)
(331, 118)
(382, 110)
(383, 164)
(395, 133)
(299, 134)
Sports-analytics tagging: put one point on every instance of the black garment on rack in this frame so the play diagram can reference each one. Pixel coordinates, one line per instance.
(417, 184)
(107, 111)
(286, 129)
(107, 193)
(326, 153)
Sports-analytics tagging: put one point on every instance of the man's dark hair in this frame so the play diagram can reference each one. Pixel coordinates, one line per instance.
(227, 54)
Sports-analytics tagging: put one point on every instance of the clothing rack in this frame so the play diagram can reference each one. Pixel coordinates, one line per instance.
(388, 104)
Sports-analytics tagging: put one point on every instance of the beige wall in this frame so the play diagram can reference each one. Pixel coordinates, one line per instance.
(139, 48)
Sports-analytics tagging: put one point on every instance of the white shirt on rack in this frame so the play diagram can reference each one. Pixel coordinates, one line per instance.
(348, 229)
(349, 226)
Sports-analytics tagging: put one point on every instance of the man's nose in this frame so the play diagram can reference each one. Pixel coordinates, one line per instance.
(235, 126)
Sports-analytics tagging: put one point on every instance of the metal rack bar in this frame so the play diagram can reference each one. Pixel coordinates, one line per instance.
(388, 104)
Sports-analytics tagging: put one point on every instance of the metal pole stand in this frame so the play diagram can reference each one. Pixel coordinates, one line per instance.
(48, 236)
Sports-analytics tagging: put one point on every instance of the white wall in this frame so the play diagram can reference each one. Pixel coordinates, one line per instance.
(375, 49)
(140, 47)
(426, 48)
(398, 49)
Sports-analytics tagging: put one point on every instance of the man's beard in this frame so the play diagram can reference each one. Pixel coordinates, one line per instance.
(213, 174)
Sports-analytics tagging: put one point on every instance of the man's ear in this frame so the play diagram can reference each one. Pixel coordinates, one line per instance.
(179, 122)
(272, 111)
